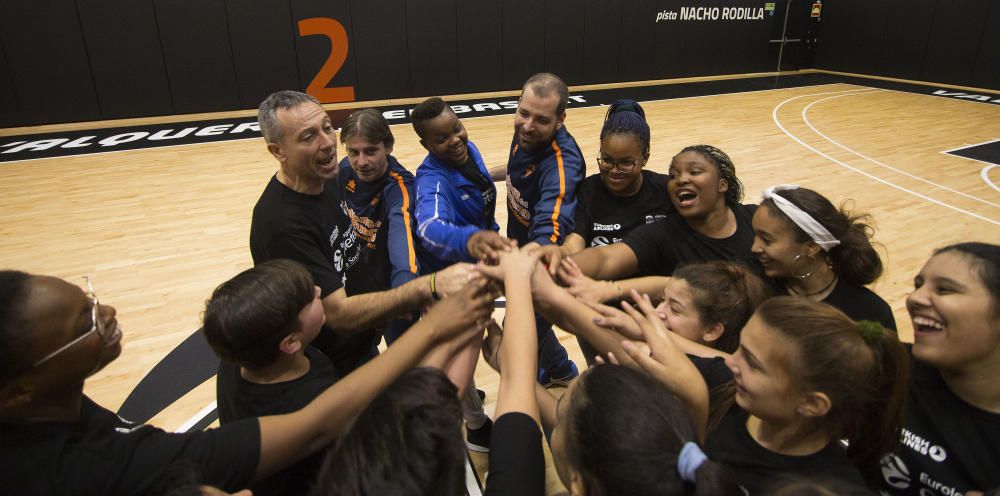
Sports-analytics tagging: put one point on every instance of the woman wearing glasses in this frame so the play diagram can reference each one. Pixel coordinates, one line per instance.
(56, 440)
(623, 195)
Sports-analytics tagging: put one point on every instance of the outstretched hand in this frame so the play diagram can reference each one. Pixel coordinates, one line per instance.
(465, 311)
(487, 245)
(454, 278)
(550, 255)
(583, 287)
(616, 320)
(514, 263)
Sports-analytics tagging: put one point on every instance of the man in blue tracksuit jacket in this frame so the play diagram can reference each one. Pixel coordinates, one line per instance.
(377, 195)
(456, 202)
(543, 171)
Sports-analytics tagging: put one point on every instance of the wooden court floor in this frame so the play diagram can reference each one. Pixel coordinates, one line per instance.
(158, 229)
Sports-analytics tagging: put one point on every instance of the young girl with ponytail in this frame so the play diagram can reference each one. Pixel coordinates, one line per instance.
(816, 251)
(804, 377)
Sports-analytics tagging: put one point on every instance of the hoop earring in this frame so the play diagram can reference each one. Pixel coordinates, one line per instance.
(791, 269)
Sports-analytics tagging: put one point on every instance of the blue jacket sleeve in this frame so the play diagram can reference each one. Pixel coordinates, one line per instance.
(552, 218)
(436, 219)
(402, 243)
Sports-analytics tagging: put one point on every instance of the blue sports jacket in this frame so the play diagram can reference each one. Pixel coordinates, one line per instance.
(541, 190)
(381, 213)
(449, 210)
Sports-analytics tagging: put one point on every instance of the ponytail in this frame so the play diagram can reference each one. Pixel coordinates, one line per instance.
(861, 367)
(613, 457)
(854, 259)
(875, 430)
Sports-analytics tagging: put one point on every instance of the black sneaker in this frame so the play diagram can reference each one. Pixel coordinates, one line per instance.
(479, 439)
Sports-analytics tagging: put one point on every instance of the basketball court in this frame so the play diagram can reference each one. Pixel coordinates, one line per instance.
(158, 226)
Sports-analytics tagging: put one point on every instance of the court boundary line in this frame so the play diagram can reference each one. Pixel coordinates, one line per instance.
(198, 417)
(805, 118)
(774, 117)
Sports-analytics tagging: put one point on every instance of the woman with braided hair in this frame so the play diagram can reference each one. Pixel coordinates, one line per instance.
(814, 250)
(710, 224)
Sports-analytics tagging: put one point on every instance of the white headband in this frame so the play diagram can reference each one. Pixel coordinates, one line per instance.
(814, 229)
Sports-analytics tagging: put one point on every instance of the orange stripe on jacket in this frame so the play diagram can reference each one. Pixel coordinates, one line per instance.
(562, 192)
(406, 221)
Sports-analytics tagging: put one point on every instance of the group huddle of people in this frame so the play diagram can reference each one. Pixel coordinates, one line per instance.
(731, 347)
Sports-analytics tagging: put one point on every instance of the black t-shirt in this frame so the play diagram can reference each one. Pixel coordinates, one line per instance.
(949, 447)
(603, 218)
(662, 246)
(314, 231)
(239, 398)
(714, 370)
(860, 303)
(100, 453)
(757, 468)
(517, 465)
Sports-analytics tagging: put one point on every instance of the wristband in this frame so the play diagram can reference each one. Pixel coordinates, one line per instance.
(434, 293)
(619, 288)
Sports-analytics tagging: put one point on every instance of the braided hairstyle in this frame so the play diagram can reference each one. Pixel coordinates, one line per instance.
(627, 117)
(727, 171)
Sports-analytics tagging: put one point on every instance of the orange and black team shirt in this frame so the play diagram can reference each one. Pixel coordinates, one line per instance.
(381, 214)
(541, 190)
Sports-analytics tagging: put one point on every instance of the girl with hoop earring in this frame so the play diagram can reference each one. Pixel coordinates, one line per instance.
(814, 250)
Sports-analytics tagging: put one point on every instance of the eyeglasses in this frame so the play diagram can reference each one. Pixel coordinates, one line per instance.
(625, 166)
(95, 326)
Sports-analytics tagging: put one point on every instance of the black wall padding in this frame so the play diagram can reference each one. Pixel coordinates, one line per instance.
(947, 41)
(198, 55)
(523, 40)
(602, 33)
(564, 23)
(954, 40)
(10, 113)
(131, 58)
(48, 63)
(432, 41)
(123, 45)
(987, 71)
(379, 30)
(639, 56)
(263, 41)
(906, 34)
(480, 66)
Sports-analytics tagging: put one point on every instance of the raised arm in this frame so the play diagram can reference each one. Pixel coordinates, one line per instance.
(518, 354)
(615, 261)
(660, 357)
(287, 438)
(349, 314)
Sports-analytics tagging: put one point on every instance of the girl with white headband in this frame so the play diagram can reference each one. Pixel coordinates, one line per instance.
(816, 251)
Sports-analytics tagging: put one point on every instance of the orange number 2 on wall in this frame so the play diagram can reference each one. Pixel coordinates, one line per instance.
(338, 54)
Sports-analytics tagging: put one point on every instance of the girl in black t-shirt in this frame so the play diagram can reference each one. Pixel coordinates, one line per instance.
(55, 440)
(952, 429)
(805, 376)
(622, 195)
(710, 224)
(816, 251)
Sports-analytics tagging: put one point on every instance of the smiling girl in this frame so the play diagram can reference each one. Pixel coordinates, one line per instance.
(952, 427)
(816, 251)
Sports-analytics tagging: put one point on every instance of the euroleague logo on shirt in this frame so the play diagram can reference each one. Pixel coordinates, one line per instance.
(897, 476)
